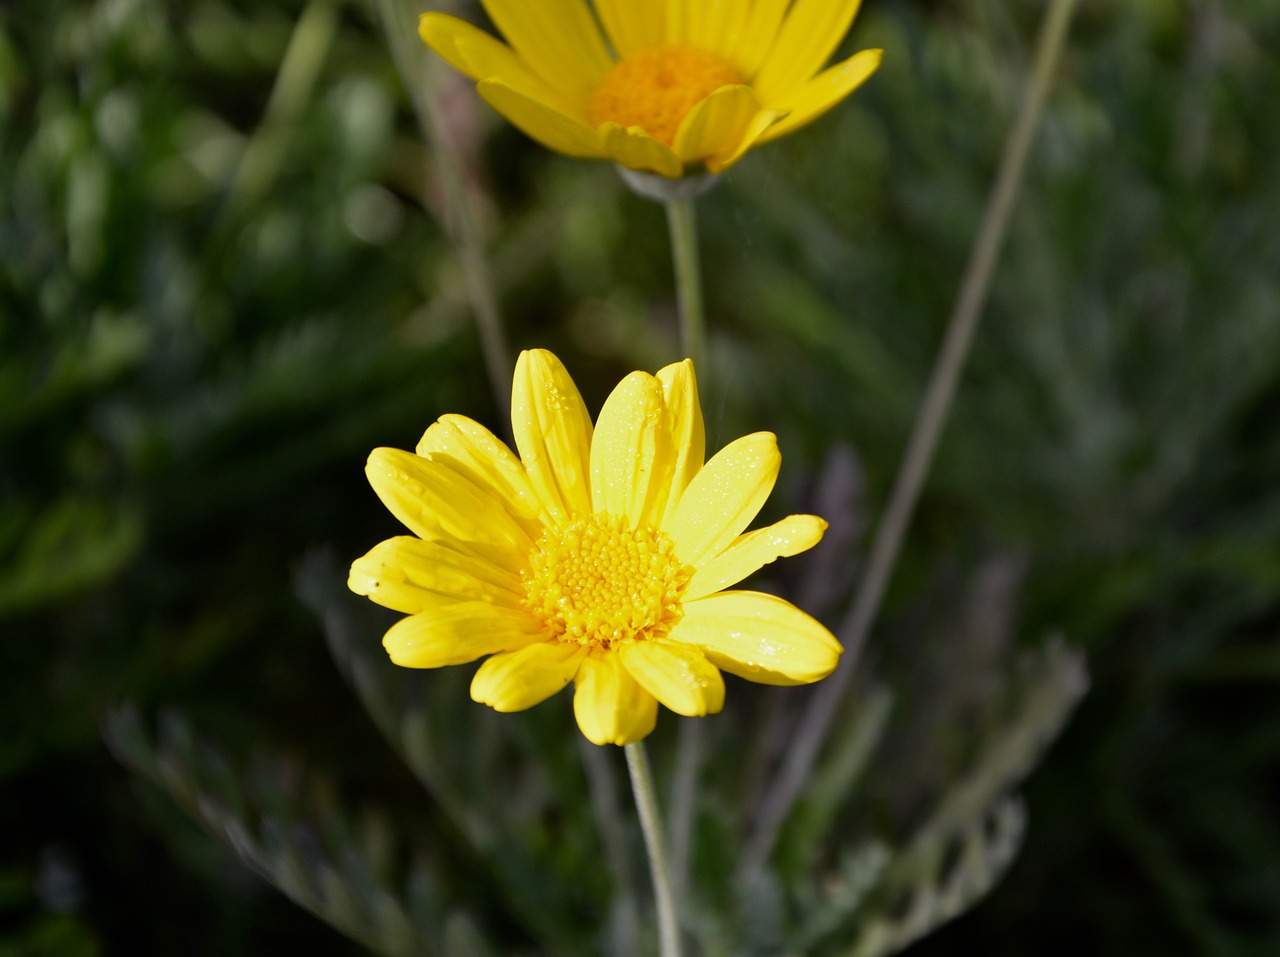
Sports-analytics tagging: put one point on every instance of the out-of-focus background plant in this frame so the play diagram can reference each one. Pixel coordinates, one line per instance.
(224, 278)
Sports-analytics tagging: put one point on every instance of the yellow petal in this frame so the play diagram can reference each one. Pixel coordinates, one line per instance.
(633, 148)
(684, 420)
(675, 20)
(716, 26)
(558, 39)
(441, 32)
(551, 127)
(760, 123)
(758, 35)
(455, 632)
(759, 637)
(714, 130)
(811, 33)
(553, 433)
(435, 502)
(482, 57)
(516, 680)
(824, 91)
(679, 676)
(753, 551)
(609, 704)
(633, 26)
(723, 498)
(631, 455)
(409, 575)
(468, 447)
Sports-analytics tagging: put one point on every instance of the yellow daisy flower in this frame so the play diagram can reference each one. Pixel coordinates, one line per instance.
(598, 559)
(670, 84)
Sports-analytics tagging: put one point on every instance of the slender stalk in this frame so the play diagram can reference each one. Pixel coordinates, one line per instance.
(651, 824)
(815, 724)
(460, 217)
(683, 224)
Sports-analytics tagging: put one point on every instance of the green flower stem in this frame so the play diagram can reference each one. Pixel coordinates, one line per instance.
(461, 221)
(651, 824)
(683, 225)
(816, 722)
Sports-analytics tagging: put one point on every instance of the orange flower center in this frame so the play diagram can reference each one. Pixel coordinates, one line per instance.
(656, 89)
(599, 581)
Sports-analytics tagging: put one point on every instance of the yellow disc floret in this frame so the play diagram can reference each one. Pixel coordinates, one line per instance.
(599, 582)
(656, 89)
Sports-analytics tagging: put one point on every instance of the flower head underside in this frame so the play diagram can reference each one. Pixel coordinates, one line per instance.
(599, 556)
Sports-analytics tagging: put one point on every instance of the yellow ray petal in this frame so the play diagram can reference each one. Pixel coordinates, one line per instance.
(717, 26)
(441, 32)
(675, 20)
(723, 498)
(436, 502)
(551, 127)
(714, 130)
(520, 78)
(633, 148)
(468, 447)
(752, 551)
(558, 39)
(812, 31)
(553, 433)
(409, 575)
(631, 454)
(482, 57)
(632, 26)
(759, 637)
(609, 704)
(455, 632)
(760, 123)
(758, 35)
(515, 680)
(679, 676)
(684, 419)
(823, 92)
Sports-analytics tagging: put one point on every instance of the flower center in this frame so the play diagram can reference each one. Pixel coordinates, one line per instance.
(599, 581)
(656, 89)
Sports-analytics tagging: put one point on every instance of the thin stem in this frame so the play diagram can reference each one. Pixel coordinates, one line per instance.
(651, 824)
(461, 220)
(816, 722)
(683, 224)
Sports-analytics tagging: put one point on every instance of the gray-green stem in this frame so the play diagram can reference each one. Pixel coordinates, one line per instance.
(460, 217)
(654, 842)
(816, 722)
(683, 224)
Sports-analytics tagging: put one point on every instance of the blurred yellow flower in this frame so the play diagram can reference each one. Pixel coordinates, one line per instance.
(598, 559)
(671, 84)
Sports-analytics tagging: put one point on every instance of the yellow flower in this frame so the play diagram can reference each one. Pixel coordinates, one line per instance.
(598, 559)
(676, 83)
